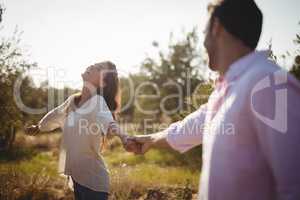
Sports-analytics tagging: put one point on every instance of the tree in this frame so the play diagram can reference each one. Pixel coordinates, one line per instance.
(177, 73)
(128, 88)
(12, 65)
(295, 70)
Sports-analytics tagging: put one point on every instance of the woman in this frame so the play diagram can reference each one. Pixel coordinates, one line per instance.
(85, 119)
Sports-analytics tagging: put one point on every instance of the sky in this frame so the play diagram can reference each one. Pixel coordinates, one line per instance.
(66, 36)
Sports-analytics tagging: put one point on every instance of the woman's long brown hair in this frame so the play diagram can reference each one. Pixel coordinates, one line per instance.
(110, 92)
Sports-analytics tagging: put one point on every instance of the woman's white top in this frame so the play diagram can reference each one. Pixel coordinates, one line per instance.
(83, 129)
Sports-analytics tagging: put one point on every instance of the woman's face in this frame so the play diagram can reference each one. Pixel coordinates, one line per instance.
(94, 75)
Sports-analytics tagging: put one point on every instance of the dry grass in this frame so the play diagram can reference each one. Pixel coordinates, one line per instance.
(29, 172)
(22, 181)
(144, 181)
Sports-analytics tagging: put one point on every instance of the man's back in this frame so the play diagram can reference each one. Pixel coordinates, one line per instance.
(249, 146)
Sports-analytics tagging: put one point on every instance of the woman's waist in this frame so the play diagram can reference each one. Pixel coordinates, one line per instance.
(84, 158)
(85, 152)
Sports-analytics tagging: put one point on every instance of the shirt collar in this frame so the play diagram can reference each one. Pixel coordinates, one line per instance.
(240, 66)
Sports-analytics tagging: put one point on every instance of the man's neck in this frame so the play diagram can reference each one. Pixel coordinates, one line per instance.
(229, 56)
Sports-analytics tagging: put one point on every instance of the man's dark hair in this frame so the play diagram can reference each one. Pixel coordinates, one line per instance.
(241, 18)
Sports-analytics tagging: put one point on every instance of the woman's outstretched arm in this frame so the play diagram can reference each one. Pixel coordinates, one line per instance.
(51, 121)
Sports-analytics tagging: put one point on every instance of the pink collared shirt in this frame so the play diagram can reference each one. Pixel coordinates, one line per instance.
(250, 131)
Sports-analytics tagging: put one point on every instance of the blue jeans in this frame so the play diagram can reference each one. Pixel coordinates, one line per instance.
(84, 193)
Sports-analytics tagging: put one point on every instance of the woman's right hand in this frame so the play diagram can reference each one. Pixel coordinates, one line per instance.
(131, 145)
(32, 130)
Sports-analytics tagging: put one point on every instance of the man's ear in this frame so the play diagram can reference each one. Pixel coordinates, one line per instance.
(216, 28)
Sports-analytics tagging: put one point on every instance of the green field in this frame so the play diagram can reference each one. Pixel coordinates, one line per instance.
(29, 171)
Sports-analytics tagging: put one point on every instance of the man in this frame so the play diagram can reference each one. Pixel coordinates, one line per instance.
(250, 126)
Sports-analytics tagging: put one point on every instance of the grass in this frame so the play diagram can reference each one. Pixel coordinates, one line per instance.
(156, 166)
(29, 171)
(154, 175)
(156, 170)
(35, 178)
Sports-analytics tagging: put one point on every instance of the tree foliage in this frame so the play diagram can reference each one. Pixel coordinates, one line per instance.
(12, 66)
(295, 70)
(177, 73)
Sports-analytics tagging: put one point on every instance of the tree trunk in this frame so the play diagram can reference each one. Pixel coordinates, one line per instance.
(7, 139)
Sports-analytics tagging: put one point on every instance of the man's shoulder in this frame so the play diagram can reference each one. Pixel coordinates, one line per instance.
(267, 69)
(264, 74)
(257, 72)
(260, 69)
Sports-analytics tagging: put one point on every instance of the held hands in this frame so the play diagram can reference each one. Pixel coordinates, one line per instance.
(144, 142)
(32, 130)
(132, 146)
(115, 130)
(138, 144)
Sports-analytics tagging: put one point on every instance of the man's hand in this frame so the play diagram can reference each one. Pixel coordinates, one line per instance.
(32, 130)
